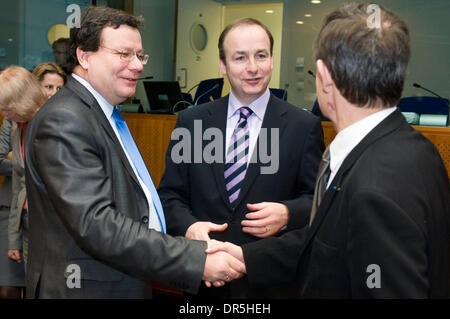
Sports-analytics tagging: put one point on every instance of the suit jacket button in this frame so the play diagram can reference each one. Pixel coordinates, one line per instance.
(144, 220)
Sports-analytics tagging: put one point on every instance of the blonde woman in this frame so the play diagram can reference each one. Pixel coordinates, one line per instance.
(21, 95)
(51, 76)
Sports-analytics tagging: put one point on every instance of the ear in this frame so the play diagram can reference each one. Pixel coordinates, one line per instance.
(83, 58)
(222, 66)
(324, 76)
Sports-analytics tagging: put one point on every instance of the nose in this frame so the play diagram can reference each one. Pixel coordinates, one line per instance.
(136, 65)
(251, 65)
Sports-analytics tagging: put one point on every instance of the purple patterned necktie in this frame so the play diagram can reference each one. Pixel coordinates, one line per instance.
(237, 156)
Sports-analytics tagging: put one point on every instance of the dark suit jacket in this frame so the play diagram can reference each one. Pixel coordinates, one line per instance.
(192, 192)
(387, 206)
(87, 208)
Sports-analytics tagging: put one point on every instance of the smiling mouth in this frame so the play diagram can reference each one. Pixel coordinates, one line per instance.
(252, 81)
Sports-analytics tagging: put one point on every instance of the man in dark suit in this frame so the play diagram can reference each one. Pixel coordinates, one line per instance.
(381, 229)
(220, 185)
(96, 226)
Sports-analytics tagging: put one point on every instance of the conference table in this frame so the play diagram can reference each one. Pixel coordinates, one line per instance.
(152, 134)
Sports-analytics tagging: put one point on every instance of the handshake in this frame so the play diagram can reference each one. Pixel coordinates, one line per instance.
(224, 263)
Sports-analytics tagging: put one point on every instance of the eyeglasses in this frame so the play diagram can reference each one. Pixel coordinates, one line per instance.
(129, 56)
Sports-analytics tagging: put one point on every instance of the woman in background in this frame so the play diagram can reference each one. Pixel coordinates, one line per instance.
(12, 274)
(51, 76)
(21, 95)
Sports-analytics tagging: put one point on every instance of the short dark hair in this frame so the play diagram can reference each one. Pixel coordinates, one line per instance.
(368, 64)
(239, 22)
(63, 41)
(93, 20)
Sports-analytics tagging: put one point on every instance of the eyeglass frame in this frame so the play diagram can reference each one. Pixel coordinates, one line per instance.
(143, 58)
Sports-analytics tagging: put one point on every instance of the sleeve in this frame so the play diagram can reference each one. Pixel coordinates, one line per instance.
(5, 148)
(274, 260)
(174, 191)
(387, 248)
(68, 157)
(14, 229)
(311, 154)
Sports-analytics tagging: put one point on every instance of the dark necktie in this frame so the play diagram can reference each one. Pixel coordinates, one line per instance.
(139, 164)
(237, 156)
(321, 183)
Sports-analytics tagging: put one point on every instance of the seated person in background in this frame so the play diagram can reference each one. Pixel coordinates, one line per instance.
(19, 105)
(51, 76)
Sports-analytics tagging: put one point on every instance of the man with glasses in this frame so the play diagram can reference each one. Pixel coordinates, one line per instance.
(97, 225)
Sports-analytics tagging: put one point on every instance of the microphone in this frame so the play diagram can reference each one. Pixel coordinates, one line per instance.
(193, 88)
(310, 72)
(435, 94)
(286, 86)
(207, 91)
(146, 78)
(421, 87)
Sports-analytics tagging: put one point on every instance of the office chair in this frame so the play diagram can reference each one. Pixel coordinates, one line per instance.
(207, 90)
(317, 112)
(279, 93)
(424, 105)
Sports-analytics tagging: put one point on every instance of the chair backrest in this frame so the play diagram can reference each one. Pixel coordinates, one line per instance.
(424, 105)
(207, 89)
(279, 93)
(317, 112)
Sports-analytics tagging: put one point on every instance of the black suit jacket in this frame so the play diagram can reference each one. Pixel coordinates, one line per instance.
(387, 206)
(87, 208)
(195, 191)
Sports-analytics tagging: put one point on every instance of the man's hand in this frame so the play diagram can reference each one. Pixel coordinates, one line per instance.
(200, 230)
(221, 267)
(232, 249)
(14, 254)
(266, 219)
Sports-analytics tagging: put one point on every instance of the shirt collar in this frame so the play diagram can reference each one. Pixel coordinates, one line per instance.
(104, 104)
(347, 139)
(258, 106)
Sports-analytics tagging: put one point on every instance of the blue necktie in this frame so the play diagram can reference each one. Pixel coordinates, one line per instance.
(139, 164)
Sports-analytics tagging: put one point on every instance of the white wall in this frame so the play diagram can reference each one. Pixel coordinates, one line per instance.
(201, 65)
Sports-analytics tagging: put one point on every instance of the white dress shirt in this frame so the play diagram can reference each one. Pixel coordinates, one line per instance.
(254, 121)
(347, 139)
(108, 109)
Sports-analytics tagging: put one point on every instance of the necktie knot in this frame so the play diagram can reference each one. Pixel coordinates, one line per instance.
(245, 112)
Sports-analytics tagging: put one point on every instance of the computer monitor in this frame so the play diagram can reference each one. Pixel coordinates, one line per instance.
(162, 95)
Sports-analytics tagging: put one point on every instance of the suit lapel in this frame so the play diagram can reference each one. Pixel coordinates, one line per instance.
(387, 126)
(273, 118)
(92, 103)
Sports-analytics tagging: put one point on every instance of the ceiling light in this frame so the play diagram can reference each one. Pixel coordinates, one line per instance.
(269, 11)
(299, 22)
(315, 1)
(308, 15)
